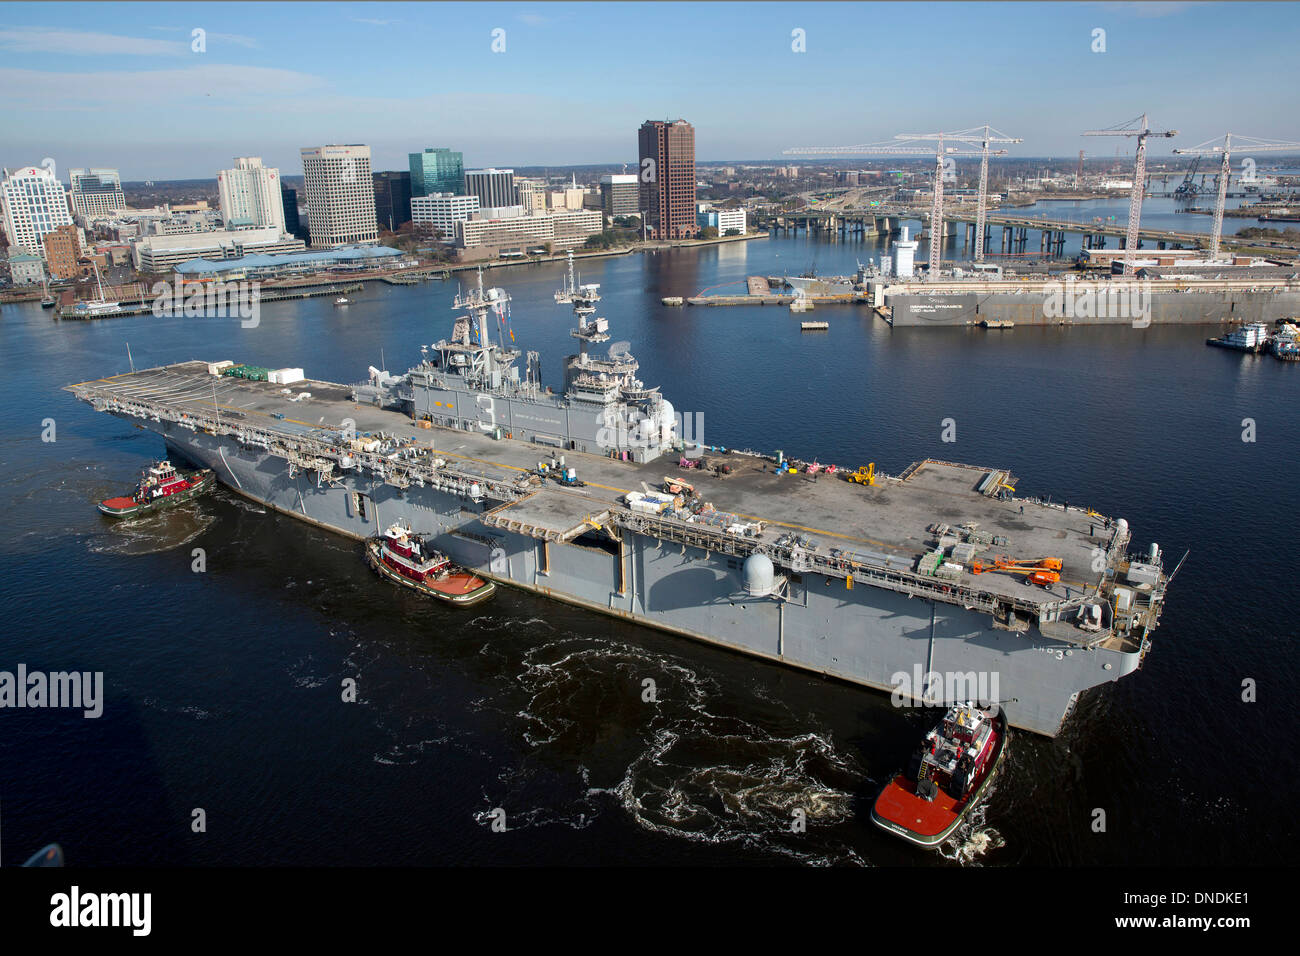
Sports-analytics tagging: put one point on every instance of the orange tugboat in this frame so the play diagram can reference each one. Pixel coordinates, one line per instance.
(948, 775)
(405, 559)
(160, 486)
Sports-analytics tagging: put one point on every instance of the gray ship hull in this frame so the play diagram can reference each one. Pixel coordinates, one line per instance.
(862, 634)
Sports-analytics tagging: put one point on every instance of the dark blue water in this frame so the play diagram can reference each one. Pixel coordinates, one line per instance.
(224, 687)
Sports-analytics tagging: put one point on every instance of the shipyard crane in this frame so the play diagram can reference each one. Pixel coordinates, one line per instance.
(1134, 127)
(940, 152)
(1188, 189)
(983, 135)
(1250, 144)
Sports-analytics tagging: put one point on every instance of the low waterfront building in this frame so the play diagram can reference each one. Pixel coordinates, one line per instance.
(350, 259)
(516, 235)
(161, 253)
(723, 220)
(25, 268)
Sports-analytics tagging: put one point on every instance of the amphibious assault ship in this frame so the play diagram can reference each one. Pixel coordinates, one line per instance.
(869, 583)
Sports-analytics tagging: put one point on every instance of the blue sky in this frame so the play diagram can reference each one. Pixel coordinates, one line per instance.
(117, 84)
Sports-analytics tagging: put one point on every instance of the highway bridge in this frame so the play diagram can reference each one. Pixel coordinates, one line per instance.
(1015, 228)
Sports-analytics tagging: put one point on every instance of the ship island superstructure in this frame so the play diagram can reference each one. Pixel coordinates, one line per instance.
(869, 584)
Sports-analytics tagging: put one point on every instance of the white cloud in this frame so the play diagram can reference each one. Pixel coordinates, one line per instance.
(372, 22)
(532, 19)
(77, 43)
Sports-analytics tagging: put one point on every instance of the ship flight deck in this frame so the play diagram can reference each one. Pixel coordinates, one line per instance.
(819, 524)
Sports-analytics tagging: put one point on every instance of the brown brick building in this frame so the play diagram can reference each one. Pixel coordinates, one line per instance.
(667, 174)
(62, 249)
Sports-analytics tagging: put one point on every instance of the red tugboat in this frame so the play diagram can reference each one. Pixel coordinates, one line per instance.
(160, 486)
(948, 775)
(405, 559)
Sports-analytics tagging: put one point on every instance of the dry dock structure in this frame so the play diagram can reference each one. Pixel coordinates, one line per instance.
(1080, 300)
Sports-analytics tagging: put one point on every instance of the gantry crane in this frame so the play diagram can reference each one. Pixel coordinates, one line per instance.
(1225, 171)
(983, 135)
(941, 153)
(1135, 127)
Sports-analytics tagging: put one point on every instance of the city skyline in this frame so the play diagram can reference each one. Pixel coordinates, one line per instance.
(126, 89)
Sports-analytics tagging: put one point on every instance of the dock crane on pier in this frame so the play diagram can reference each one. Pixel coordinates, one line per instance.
(981, 135)
(1252, 145)
(1134, 127)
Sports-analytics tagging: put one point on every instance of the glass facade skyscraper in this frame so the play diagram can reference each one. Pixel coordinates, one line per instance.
(392, 199)
(437, 170)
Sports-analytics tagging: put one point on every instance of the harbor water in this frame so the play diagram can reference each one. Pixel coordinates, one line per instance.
(227, 634)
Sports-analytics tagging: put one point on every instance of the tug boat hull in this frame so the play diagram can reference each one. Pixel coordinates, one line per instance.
(126, 507)
(459, 587)
(927, 823)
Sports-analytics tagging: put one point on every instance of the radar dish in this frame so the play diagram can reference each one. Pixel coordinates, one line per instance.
(620, 350)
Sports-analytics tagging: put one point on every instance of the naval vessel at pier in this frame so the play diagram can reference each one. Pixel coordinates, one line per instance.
(869, 583)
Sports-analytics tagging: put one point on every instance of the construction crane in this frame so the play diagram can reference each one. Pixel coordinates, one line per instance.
(941, 153)
(983, 135)
(1136, 127)
(1251, 144)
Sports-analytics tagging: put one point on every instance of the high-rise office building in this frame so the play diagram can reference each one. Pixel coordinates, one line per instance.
(250, 195)
(437, 170)
(667, 178)
(493, 187)
(620, 195)
(292, 225)
(95, 192)
(340, 195)
(442, 212)
(34, 203)
(392, 199)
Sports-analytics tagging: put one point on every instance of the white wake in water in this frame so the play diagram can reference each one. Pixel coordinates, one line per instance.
(676, 765)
